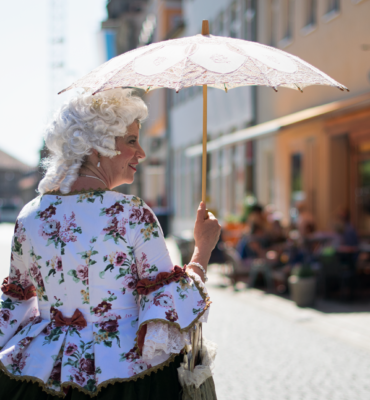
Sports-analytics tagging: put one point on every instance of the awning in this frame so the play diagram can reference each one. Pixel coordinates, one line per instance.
(270, 127)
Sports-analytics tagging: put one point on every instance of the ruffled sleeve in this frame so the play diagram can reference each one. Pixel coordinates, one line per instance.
(169, 295)
(18, 303)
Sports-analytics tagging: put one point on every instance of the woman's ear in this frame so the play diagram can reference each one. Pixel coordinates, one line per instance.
(95, 152)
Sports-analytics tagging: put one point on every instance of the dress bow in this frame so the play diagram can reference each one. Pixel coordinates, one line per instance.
(16, 291)
(77, 319)
(146, 286)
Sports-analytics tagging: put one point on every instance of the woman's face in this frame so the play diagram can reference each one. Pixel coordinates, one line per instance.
(124, 165)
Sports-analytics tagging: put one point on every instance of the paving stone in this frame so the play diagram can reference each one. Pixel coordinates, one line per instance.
(267, 356)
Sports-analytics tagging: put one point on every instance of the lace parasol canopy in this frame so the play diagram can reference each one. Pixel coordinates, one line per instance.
(220, 62)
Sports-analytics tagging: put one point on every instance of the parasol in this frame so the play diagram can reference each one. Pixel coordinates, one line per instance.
(204, 60)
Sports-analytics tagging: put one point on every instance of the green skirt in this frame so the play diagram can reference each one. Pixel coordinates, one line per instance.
(161, 385)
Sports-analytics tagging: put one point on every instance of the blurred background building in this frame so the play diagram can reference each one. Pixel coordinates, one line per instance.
(11, 173)
(282, 147)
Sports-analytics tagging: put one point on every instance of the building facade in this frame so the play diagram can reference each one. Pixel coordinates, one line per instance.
(322, 157)
(281, 147)
(230, 167)
(311, 146)
(11, 173)
(163, 21)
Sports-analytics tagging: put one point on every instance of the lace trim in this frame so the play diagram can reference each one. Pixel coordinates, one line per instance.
(41, 383)
(161, 338)
(203, 292)
(82, 191)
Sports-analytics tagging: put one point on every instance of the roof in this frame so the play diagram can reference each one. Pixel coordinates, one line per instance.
(9, 162)
(273, 126)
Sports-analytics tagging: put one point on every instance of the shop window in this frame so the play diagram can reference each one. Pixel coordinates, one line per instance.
(296, 183)
(249, 168)
(339, 172)
(363, 189)
(270, 176)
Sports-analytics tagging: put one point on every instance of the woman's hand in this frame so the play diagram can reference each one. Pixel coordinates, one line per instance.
(206, 233)
(207, 230)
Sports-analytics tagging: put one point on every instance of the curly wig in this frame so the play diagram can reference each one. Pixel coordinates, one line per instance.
(82, 124)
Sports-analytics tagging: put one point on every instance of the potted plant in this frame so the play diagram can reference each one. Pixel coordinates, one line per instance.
(302, 285)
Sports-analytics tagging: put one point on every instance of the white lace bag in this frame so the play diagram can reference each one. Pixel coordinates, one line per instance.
(195, 373)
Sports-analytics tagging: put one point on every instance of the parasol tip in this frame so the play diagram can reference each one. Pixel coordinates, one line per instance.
(274, 87)
(343, 88)
(205, 27)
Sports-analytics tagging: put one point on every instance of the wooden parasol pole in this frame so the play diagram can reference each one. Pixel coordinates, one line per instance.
(205, 31)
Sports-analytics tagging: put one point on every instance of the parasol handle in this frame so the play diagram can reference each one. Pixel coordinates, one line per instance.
(204, 156)
(205, 31)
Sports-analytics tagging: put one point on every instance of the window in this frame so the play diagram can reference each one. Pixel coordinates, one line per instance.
(250, 20)
(234, 22)
(220, 23)
(287, 19)
(296, 183)
(249, 167)
(269, 158)
(271, 22)
(333, 6)
(310, 12)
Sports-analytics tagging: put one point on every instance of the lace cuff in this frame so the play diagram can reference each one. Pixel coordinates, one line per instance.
(162, 338)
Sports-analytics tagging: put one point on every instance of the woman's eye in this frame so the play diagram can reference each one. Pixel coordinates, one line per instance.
(132, 141)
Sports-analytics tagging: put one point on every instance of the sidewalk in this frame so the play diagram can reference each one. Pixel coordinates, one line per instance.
(349, 326)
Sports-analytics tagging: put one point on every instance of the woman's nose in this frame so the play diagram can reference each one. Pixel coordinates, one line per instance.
(141, 152)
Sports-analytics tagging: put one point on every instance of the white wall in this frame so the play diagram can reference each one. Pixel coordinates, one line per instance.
(226, 112)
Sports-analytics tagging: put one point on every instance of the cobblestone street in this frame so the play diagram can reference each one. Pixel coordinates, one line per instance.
(268, 349)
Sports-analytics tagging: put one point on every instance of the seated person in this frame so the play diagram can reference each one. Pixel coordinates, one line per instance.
(255, 244)
(346, 240)
(305, 223)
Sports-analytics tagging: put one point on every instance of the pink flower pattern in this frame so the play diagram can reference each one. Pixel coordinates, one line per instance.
(17, 361)
(115, 320)
(137, 367)
(119, 258)
(18, 238)
(56, 232)
(83, 273)
(130, 282)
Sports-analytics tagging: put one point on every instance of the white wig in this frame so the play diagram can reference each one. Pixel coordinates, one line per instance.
(85, 123)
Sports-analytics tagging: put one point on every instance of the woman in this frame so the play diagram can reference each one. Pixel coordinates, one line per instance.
(93, 302)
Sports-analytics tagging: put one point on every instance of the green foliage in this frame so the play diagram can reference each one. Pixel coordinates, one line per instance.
(303, 271)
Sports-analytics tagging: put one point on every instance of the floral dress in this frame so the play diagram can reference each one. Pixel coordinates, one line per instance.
(92, 296)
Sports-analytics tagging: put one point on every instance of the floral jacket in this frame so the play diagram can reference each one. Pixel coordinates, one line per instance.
(90, 272)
